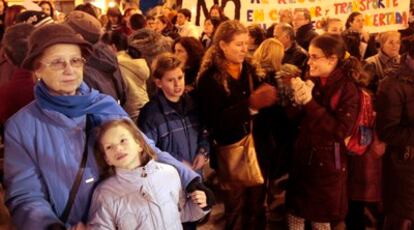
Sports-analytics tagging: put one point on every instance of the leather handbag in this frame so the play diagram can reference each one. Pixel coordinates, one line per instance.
(238, 165)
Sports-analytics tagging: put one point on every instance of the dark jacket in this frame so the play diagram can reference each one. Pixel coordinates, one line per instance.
(379, 67)
(305, 34)
(317, 188)
(226, 115)
(176, 132)
(395, 125)
(102, 72)
(297, 56)
(15, 94)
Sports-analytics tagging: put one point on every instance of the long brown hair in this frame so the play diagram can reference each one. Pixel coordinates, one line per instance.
(214, 56)
(147, 152)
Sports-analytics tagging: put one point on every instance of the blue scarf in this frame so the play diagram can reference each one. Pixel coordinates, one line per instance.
(87, 102)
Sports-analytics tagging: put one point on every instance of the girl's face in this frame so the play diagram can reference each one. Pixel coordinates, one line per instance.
(158, 25)
(319, 64)
(358, 23)
(208, 28)
(235, 51)
(113, 19)
(392, 45)
(121, 149)
(172, 84)
(215, 13)
(46, 9)
(181, 53)
(335, 27)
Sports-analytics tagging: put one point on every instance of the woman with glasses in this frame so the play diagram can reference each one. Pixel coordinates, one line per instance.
(46, 141)
(317, 189)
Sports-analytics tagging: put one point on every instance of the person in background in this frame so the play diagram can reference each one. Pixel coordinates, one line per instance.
(386, 61)
(185, 28)
(190, 52)
(294, 54)
(256, 36)
(317, 186)
(164, 26)
(88, 8)
(6, 68)
(137, 22)
(135, 73)
(395, 106)
(150, 22)
(303, 26)
(3, 7)
(333, 26)
(217, 12)
(46, 140)
(47, 8)
(127, 15)
(115, 20)
(210, 26)
(275, 132)
(286, 16)
(228, 105)
(117, 204)
(17, 92)
(101, 68)
(356, 36)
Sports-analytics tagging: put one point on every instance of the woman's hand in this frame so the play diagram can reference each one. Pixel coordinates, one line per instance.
(302, 91)
(199, 197)
(264, 96)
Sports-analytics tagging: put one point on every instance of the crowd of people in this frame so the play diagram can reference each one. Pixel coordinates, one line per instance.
(108, 120)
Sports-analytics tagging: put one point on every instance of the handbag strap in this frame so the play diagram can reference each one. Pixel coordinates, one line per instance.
(74, 190)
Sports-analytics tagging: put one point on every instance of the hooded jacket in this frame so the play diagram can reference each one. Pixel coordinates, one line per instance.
(148, 198)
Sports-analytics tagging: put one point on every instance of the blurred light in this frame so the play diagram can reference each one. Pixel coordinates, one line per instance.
(111, 4)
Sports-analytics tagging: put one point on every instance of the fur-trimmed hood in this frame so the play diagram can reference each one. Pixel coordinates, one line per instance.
(150, 43)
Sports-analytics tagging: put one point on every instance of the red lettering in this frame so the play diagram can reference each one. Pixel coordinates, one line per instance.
(395, 3)
(318, 11)
(362, 5)
(337, 5)
(282, 1)
(381, 20)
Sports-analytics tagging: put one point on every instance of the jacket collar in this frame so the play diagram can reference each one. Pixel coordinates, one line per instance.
(386, 59)
(137, 173)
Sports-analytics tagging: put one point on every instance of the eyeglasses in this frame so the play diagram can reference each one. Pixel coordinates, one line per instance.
(60, 64)
(315, 58)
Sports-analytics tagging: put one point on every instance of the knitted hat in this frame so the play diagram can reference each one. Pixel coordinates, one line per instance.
(85, 24)
(52, 34)
(36, 18)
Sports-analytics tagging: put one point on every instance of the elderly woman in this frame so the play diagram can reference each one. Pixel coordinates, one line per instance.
(387, 60)
(228, 105)
(46, 140)
(395, 125)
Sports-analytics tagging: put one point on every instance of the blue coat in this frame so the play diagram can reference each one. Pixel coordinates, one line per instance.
(43, 149)
(180, 135)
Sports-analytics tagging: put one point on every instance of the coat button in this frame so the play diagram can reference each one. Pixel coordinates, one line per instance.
(406, 155)
(321, 164)
(343, 169)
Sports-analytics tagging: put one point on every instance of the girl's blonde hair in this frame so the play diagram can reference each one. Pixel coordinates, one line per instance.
(147, 152)
(269, 54)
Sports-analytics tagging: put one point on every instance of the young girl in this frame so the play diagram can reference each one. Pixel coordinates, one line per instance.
(141, 193)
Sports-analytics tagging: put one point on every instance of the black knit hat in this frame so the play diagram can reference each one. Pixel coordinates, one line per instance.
(36, 18)
(85, 24)
(52, 34)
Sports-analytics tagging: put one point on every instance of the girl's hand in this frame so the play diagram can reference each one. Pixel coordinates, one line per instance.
(264, 96)
(199, 161)
(199, 197)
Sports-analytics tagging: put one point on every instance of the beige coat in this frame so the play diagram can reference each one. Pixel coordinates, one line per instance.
(135, 73)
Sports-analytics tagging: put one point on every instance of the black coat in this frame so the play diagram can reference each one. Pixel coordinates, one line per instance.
(395, 124)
